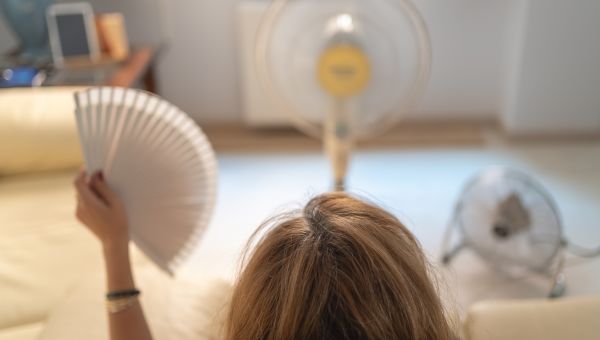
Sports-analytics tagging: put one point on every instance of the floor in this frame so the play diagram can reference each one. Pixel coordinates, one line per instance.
(420, 185)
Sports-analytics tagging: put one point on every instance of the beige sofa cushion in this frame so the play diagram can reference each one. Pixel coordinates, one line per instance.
(568, 318)
(43, 249)
(37, 130)
(25, 332)
(181, 308)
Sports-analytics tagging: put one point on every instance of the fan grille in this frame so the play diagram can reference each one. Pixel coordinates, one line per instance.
(510, 220)
(294, 33)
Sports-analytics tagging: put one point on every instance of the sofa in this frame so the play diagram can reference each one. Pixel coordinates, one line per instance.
(568, 318)
(51, 272)
(42, 249)
(51, 277)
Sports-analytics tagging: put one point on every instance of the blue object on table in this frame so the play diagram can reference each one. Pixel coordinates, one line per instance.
(22, 76)
(27, 18)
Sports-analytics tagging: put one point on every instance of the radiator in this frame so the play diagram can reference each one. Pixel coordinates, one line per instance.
(257, 109)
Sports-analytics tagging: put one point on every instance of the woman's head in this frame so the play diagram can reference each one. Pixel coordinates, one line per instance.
(339, 269)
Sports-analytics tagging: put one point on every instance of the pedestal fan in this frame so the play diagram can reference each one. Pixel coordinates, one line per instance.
(343, 70)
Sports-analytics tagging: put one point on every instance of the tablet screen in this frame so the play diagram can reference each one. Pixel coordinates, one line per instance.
(72, 35)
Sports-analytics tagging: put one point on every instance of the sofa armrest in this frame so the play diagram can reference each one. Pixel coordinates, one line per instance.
(569, 318)
(37, 130)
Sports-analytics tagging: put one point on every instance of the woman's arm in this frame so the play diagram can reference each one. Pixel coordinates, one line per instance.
(101, 210)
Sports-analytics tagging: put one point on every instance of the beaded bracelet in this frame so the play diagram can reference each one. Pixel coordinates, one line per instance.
(118, 294)
(120, 300)
(121, 304)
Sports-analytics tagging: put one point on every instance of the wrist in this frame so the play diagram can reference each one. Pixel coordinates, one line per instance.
(115, 250)
(116, 244)
(118, 266)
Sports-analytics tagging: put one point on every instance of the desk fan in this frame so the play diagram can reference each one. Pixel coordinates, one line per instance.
(159, 162)
(343, 70)
(512, 222)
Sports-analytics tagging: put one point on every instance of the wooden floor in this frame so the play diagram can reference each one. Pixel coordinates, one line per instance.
(239, 138)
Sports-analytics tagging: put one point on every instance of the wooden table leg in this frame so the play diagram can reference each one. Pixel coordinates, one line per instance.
(150, 79)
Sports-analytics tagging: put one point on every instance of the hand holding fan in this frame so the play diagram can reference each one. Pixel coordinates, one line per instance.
(159, 162)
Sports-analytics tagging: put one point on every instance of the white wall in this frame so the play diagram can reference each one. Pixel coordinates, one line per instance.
(555, 88)
(143, 19)
(199, 69)
(469, 39)
(489, 57)
(197, 66)
(199, 72)
(7, 40)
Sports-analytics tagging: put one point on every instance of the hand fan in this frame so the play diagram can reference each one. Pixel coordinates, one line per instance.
(159, 162)
(343, 70)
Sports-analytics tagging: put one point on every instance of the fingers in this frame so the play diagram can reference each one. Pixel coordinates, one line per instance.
(80, 177)
(103, 190)
(81, 213)
(88, 198)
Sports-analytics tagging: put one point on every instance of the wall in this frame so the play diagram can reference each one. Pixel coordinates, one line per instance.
(7, 40)
(198, 70)
(479, 50)
(469, 38)
(555, 89)
(143, 19)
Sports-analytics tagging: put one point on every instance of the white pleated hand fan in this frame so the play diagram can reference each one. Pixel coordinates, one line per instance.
(159, 162)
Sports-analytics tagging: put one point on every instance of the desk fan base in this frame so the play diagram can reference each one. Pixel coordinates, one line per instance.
(556, 275)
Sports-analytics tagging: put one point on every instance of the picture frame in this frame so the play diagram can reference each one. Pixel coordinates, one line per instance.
(72, 33)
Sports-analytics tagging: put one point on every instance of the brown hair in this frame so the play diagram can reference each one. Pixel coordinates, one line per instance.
(339, 269)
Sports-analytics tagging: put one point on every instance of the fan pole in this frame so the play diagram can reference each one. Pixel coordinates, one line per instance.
(338, 143)
(343, 71)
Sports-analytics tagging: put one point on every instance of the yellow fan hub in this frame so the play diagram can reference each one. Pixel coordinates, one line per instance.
(343, 70)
